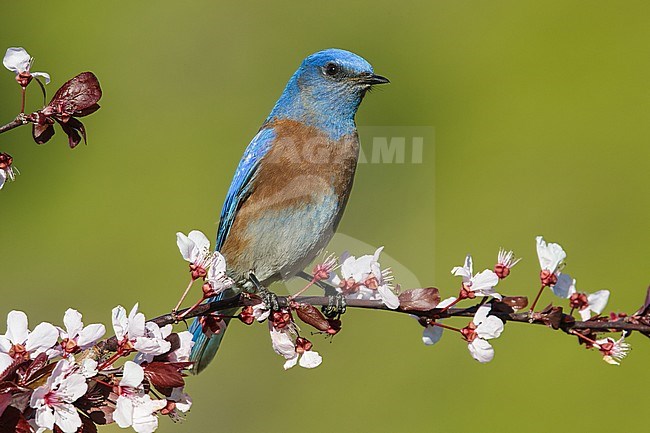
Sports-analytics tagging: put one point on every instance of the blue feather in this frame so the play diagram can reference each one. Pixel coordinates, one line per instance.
(241, 182)
(205, 348)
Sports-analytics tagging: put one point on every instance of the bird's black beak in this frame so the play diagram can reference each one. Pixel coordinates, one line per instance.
(374, 79)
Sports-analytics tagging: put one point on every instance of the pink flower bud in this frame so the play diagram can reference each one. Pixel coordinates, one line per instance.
(547, 278)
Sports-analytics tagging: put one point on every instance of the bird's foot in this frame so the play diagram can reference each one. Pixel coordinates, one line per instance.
(269, 298)
(335, 307)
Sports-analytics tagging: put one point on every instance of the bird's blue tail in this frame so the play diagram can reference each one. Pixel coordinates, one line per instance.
(205, 347)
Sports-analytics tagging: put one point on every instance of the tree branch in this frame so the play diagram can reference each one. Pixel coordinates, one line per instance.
(20, 120)
(551, 317)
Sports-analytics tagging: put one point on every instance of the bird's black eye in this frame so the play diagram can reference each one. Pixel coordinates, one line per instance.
(332, 69)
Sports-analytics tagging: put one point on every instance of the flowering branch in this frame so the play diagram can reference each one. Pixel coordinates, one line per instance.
(565, 321)
(78, 97)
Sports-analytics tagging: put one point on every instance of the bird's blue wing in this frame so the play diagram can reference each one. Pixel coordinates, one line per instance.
(205, 347)
(241, 182)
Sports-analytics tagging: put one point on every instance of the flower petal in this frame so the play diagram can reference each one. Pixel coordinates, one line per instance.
(388, 297)
(144, 420)
(44, 417)
(446, 302)
(598, 301)
(132, 376)
(43, 337)
(17, 327)
(483, 283)
(550, 255)
(200, 240)
(16, 59)
(565, 286)
(431, 335)
(152, 346)
(185, 245)
(282, 343)
(310, 359)
(5, 361)
(123, 414)
(465, 271)
(491, 327)
(481, 350)
(45, 76)
(120, 322)
(72, 322)
(137, 321)
(67, 418)
(90, 334)
(291, 362)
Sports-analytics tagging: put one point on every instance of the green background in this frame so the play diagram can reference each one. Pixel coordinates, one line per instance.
(541, 112)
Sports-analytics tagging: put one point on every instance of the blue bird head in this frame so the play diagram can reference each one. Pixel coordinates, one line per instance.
(326, 90)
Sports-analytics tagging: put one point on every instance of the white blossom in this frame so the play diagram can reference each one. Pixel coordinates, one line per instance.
(76, 337)
(261, 312)
(486, 327)
(613, 351)
(363, 278)
(17, 60)
(217, 277)
(134, 407)
(587, 304)
(596, 303)
(550, 255)
(147, 339)
(432, 333)
(19, 342)
(181, 399)
(53, 400)
(195, 247)
(182, 353)
(481, 284)
(284, 345)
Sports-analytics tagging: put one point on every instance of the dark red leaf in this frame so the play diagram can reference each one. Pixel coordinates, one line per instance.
(515, 302)
(78, 95)
(34, 369)
(18, 395)
(87, 425)
(72, 127)
(98, 403)
(419, 299)
(42, 133)
(312, 316)
(551, 316)
(89, 110)
(509, 304)
(13, 421)
(164, 375)
(5, 400)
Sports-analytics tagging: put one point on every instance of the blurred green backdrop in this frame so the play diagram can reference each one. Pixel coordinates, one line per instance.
(541, 112)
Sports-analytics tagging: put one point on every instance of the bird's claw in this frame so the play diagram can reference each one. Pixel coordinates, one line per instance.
(269, 298)
(336, 306)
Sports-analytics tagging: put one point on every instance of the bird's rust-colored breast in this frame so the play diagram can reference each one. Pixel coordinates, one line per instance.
(304, 169)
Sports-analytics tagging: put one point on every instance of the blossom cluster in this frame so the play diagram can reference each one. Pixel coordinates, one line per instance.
(484, 326)
(65, 379)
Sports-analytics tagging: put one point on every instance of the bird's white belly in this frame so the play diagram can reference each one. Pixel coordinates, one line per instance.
(284, 242)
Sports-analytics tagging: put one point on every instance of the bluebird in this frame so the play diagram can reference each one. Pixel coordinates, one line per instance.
(291, 186)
